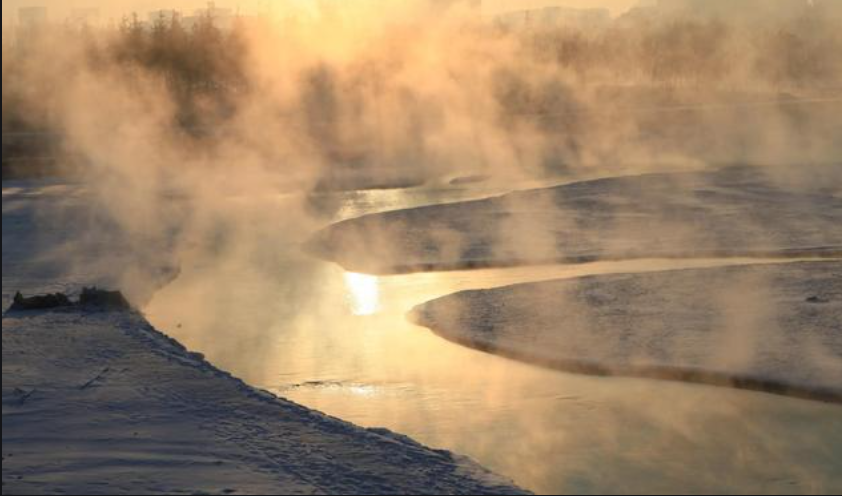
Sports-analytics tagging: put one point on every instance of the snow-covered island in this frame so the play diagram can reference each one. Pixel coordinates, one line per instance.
(769, 327)
(731, 212)
(99, 402)
(772, 328)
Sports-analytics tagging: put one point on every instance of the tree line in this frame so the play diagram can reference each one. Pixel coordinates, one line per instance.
(205, 67)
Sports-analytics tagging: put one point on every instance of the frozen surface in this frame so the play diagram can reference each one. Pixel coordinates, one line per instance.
(736, 211)
(102, 403)
(774, 327)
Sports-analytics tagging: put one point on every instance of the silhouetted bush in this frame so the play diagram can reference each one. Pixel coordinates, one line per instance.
(204, 67)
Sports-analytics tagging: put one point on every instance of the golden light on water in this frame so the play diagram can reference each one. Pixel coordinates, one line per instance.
(363, 293)
(363, 390)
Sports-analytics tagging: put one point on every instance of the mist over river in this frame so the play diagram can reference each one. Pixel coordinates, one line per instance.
(339, 342)
(276, 186)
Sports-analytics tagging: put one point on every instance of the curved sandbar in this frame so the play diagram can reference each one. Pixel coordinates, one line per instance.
(732, 212)
(775, 328)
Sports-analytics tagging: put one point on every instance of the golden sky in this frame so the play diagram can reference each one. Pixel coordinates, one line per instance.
(59, 9)
(616, 6)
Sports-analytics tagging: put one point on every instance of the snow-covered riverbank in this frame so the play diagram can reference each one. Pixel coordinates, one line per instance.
(98, 402)
(770, 327)
(732, 212)
(102, 403)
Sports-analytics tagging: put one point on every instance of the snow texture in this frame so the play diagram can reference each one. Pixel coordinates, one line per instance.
(772, 327)
(98, 402)
(736, 211)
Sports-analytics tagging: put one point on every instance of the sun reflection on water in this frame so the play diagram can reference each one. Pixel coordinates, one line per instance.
(363, 293)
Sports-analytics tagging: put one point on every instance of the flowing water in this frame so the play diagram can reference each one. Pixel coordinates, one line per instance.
(339, 342)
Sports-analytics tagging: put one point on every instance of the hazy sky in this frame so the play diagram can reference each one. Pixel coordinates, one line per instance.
(115, 8)
(616, 6)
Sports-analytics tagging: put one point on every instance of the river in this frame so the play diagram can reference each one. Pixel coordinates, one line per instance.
(339, 342)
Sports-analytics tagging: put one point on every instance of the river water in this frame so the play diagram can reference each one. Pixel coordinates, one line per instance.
(339, 342)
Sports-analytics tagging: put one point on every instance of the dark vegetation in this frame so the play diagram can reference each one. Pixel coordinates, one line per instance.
(90, 299)
(632, 63)
(202, 68)
(39, 302)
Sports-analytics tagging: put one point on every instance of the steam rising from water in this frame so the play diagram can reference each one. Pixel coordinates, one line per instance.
(395, 95)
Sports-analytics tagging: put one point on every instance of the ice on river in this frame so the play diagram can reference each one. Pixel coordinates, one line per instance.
(769, 327)
(735, 211)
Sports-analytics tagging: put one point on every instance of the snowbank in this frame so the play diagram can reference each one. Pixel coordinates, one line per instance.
(102, 403)
(738, 211)
(98, 402)
(773, 327)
